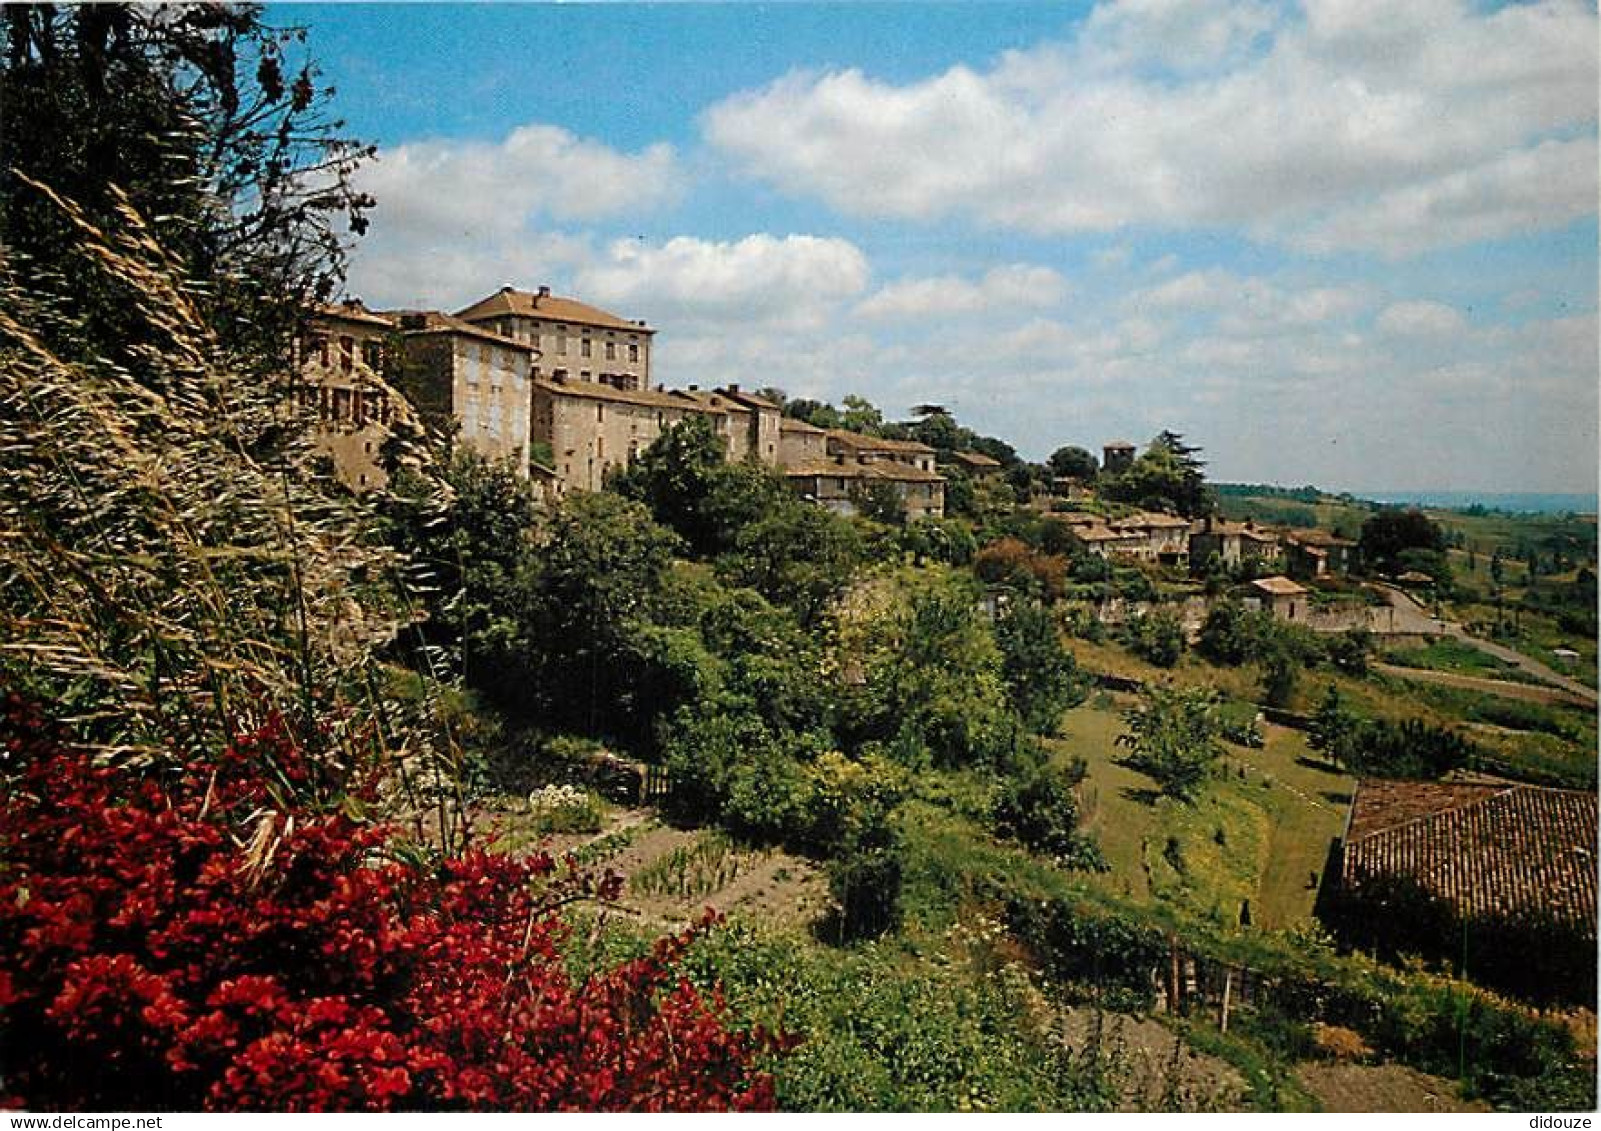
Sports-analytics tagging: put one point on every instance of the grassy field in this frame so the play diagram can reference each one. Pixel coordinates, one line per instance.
(1448, 654)
(1258, 832)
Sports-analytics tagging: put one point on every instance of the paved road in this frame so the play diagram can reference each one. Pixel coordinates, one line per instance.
(1405, 615)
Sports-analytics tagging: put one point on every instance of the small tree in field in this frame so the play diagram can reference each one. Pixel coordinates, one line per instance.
(1172, 738)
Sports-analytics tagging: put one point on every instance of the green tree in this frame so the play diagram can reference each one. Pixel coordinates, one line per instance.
(1335, 729)
(1388, 534)
(857, 414)
(1073, 462)
(207, 122)
(1042, 678)
(1157, 637)
(1166, 476)
(1172, 738)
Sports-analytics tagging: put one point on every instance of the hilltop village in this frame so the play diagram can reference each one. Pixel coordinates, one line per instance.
(563, 391)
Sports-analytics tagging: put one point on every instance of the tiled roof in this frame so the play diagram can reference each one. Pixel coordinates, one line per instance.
(416, 323)
(594, 391)
(975, 459)
(1509, 849)
(858, 442)
(790, 424)
(1318, 538)
(555, 308)
(1149, 521)
(890, 472)
(718, 401)
(750, 400)
(1105, 534)
(352, 310)
(1278, 586)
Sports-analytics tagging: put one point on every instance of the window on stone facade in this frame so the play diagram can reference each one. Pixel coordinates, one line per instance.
(633, 353)
(372, 355)
(561, 344)
(347, 346)
(600, 414)
(611, 351)
(321, 343)
(585, 348)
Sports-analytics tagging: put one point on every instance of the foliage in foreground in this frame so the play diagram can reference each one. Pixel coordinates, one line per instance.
(204, 943)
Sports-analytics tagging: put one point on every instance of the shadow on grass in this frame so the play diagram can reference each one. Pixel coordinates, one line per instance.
(1322, 765)
(1142, 796)
(1335, 797)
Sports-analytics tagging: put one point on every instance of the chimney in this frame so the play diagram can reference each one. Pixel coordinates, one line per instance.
(733, 389)
(694, 388)
(544, 292)
(507, 289)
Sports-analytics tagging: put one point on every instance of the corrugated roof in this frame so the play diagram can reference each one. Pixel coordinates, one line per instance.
(509, 300)
(1509, 849)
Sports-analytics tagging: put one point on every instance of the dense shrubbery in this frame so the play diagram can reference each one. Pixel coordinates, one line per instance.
(207, 942)
(1410, 748)
(1156, 637)
(1172, 737)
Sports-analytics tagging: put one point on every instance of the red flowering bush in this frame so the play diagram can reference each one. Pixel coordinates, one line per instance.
(193, 944)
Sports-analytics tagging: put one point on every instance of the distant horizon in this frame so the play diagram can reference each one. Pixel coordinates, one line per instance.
(1525, 502)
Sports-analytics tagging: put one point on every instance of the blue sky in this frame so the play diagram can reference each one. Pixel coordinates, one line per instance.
(1344, 242)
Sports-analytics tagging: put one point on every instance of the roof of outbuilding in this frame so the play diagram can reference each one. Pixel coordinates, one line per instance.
(1505, 849)
(1278, 586)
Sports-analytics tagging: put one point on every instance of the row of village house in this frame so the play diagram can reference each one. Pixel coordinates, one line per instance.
(521, 371)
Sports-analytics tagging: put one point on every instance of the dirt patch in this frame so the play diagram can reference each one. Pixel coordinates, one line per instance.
(1155, 1069)
(1382, 1087)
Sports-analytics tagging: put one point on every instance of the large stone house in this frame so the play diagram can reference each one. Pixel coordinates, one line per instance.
(341, 358)
(1231, 543)
(576, 341)
(853, 465)
(457, 371)
(593, 428)
(1317, 553)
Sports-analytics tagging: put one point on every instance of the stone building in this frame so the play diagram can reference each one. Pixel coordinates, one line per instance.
(454, 370)
(1318, 553)
(341, 358)
(576, 341)
(1117, 457)
(592, 428)
(850, 466)
(800, 442)
(749, 425)
(1230, 543)
(1278, 595)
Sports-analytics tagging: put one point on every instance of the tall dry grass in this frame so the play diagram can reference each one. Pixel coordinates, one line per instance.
(173, 565)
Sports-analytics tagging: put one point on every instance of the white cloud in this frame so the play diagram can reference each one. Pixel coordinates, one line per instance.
(794, 281)
(1016, 286)
(453, 189)
(1250, 305)
(1413, 129)
(457, 218)
(1420, 318)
